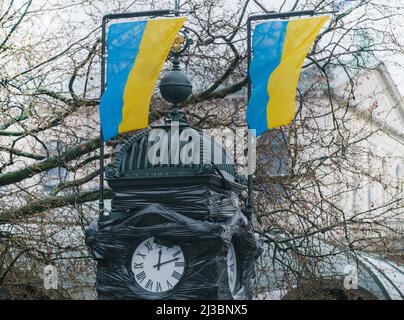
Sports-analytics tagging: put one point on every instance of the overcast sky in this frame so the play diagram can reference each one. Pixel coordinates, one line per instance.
(394, 63)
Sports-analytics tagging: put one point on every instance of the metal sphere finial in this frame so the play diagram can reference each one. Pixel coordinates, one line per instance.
(175, 86)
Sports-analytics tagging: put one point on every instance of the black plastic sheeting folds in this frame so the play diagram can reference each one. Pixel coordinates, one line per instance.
(199, 202)
(203, 234)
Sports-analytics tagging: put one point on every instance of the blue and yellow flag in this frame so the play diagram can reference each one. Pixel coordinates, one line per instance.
(279, 50)
(137, 51)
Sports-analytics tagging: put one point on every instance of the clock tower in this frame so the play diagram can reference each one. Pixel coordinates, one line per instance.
(176, 228)
(176, 231)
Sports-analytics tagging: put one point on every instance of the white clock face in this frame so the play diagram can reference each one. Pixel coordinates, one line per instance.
(232, 268)
(157, 268)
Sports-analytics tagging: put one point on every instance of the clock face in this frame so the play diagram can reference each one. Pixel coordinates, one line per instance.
(232, 268)
(157, 268)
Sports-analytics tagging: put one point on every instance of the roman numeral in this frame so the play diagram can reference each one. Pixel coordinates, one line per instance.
(138, 265)
(179, 264)
(149, 284)
(148, 246)
(176, 253)
(141, 276)
(158, 287)
(141, 255)
(176, 275)
(169, 285)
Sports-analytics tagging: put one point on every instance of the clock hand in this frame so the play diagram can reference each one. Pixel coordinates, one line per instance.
(160, 264)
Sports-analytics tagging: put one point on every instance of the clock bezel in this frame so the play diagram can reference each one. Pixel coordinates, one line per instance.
(143, 291)
(238, 268)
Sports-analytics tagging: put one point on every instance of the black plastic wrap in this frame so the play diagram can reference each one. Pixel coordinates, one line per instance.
(203, 221)
(196, 201)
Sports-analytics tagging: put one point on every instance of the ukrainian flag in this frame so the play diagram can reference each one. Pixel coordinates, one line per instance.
(137, 51)
(279, 50)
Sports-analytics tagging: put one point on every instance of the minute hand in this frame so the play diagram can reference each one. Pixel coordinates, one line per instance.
(168, 261)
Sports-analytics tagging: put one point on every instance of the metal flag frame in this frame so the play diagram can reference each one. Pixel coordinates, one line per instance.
(105, 20)
(260, 17)
(169, 12)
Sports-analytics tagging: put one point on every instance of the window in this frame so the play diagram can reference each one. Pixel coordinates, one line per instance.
(274, 160)
(57, 175)
(273, 154)
(399, 173)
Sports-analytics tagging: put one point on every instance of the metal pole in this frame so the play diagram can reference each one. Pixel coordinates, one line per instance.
(128, 15)
(250, 184)
(103, 47)
(281, 15)
(270, 15)
(177, 5)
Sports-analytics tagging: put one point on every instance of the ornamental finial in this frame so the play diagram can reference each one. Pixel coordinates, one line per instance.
(177, 5)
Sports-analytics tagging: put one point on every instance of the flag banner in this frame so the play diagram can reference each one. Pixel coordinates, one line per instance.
(279, 49)
(137, 51)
